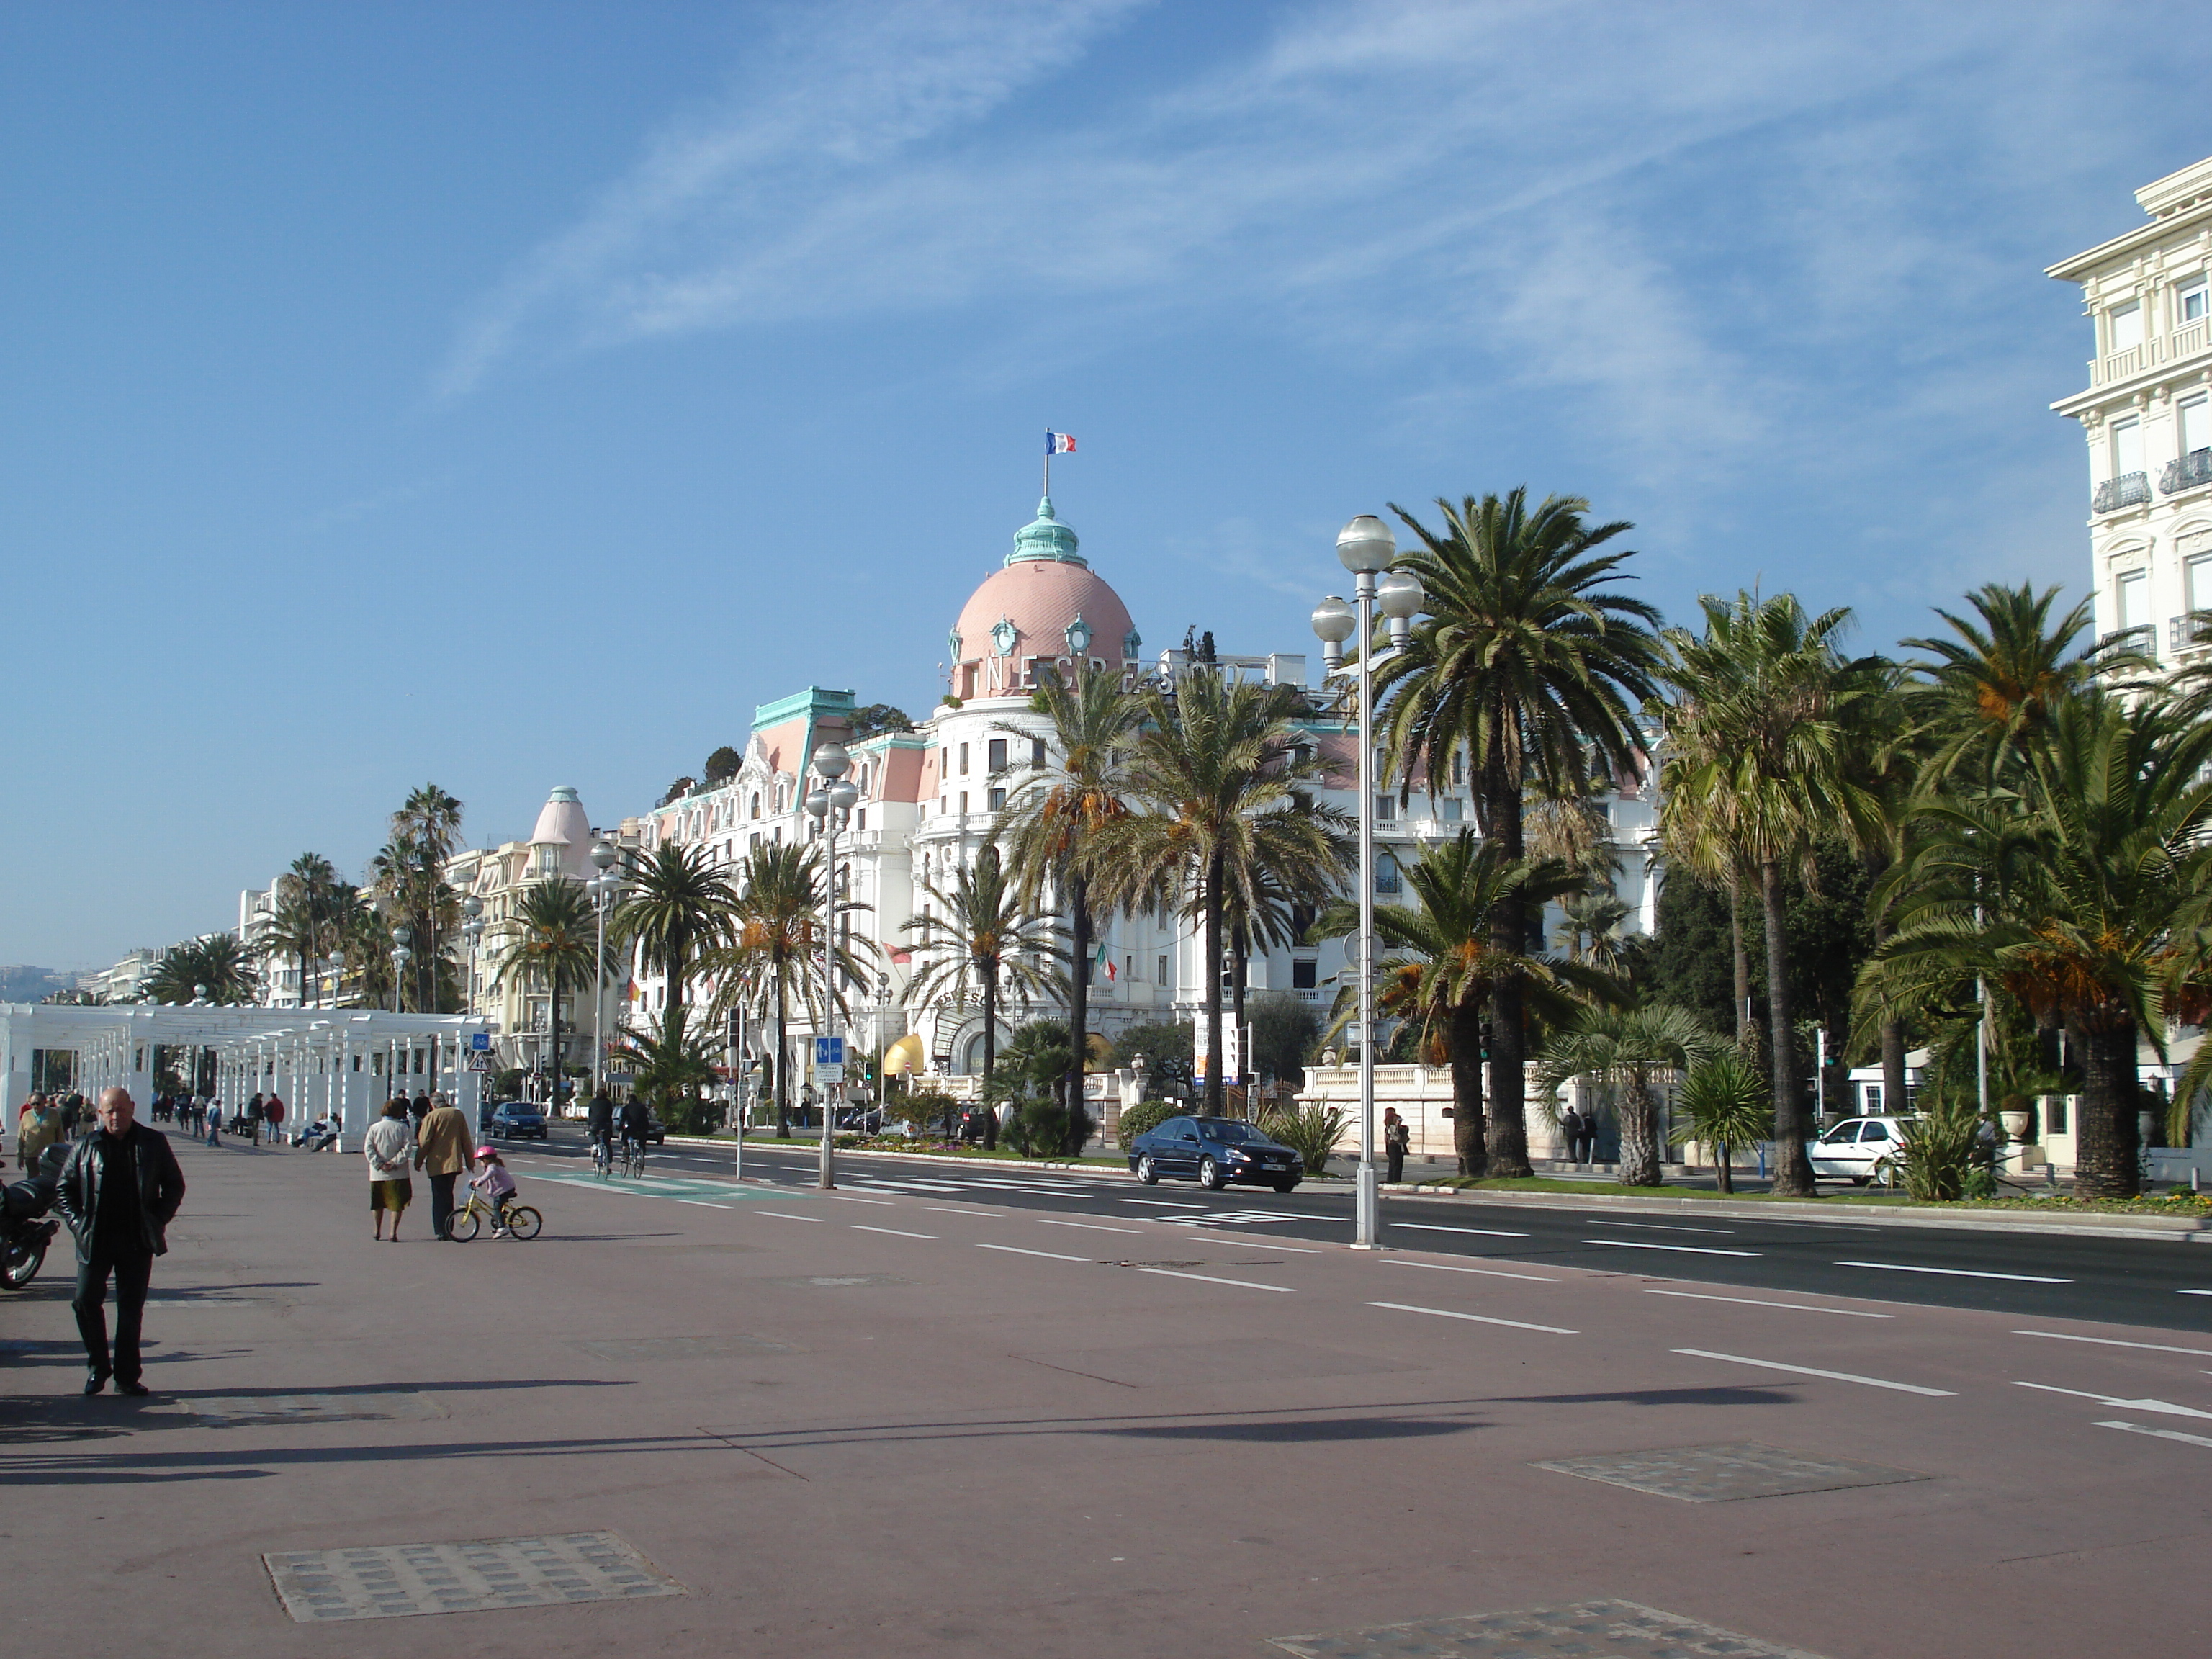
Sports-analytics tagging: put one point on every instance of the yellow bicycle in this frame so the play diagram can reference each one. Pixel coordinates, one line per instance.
(521, 1220)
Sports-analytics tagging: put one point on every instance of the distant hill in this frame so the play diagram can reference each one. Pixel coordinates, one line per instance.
(31, 984)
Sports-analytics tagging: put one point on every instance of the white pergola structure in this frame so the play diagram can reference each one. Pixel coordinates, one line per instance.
(338, 1063)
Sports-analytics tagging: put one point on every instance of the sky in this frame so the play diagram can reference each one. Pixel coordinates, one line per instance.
(514, 395)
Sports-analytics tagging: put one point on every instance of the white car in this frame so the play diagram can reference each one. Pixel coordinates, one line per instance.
(1856, 1148)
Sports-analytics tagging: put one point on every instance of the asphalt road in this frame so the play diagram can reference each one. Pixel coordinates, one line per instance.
(2163, 1283)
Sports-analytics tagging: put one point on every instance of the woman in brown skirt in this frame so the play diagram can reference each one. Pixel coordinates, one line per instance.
(388, 1145)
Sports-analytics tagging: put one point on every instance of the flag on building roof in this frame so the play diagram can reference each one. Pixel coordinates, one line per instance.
(1059, 443)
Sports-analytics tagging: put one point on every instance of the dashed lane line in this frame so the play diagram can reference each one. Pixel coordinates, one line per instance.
(1209, 1278)
(1434, 1227)
(1090, 1226)
(896, 1232)
(1161, 1203)
(2111, 1342)
(2163, 1406)
(1760, 1302)
(778, 1215)
(1476, 1319)
(847, 1198)
(950, 1209)
(1665, 1227)
(1813, 1370)
(2161, 1434)
(1049, 1255)
(1956, 1273)
(1685, 1250)
(1487, 1272)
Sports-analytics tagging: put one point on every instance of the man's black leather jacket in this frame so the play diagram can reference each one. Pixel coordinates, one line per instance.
(160, 1186)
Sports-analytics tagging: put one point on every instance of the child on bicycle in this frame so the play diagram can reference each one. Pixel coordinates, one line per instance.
(496, 1186)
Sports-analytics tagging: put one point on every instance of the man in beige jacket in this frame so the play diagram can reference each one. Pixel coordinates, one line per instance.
(442, 1146)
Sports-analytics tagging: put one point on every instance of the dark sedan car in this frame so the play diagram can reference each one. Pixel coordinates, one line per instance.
(1218, 1151)
(517, 1119)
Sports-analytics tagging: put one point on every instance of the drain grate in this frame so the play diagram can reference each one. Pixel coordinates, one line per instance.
(684, 1347)
(398, 1407)
(1723, 1473)
(395, 1581)
(1585, 1630)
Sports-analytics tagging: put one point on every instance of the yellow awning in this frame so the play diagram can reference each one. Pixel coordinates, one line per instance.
(905, 1056)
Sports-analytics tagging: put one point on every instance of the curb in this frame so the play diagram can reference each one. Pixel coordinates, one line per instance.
(2181, 1230)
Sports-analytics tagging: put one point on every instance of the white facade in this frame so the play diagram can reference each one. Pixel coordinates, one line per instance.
(2147, 416)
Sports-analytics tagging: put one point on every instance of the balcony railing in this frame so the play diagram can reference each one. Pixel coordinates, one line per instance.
(2129, 490)
(2189, 633)
(2185, 341)
(2140, 637)
(2187, 472)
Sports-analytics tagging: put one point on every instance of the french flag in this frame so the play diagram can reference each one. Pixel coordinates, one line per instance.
(1059, 443)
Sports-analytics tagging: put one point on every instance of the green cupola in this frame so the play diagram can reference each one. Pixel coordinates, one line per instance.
(1045, 539)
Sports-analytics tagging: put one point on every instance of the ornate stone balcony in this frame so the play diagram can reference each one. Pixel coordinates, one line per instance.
(2129, 490)
(2186, 473)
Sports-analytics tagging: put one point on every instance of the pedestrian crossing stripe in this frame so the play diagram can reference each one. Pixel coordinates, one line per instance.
(722, 1192)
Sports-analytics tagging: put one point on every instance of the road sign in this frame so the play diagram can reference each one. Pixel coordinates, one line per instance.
(829, 1061)
(480, 1043)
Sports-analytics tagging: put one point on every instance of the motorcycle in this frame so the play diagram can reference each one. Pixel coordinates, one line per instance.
(26, 1227)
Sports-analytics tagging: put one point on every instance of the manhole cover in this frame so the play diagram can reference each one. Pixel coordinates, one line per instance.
(394, 1581)
(1586, 1630)
(1720, 1474)
(684, 1347)
(393, 1407)
(844, 1281)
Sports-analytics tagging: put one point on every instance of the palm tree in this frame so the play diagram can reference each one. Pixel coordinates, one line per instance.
(408, 874)
(305, 897)
(1226, 826)
(670, 1065)
(1761, 735)
(215, 967)
(1449, 968)
(1528, 663)
(363, 949)
(552, 937)
(293, 931)
(1052, 823)
(1634, 1049)
(1597, 917)
(679, 908)
(2087, 896)
(983, 937)
(1723, 1104)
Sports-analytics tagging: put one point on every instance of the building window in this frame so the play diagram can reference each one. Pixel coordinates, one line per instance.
(2131, 600)
(2190, 300)
(998, 800)
(2196, 425)
(1452, 809)
(1458, 769)
(1872, 1092)
(1386, 809)
(1128, 972)
(2124, 327)
(1305, 975)
(1166, 975)
(963, 760)
(860, 819)
(2127, 448)
(963, 800)
(1386, 875)
(998, 754)
(2054, 1114)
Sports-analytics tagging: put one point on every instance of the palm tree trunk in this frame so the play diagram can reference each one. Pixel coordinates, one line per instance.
(553, 1107)
(1239, 971)
(1740, 962)
(1639, 1133)
(1210, 955)
(990, 1023)
(1793, 1170)
(1078, 1007)
(782, 1053)
(2105, 1138)
(1464, 1033)
(1509, 1043)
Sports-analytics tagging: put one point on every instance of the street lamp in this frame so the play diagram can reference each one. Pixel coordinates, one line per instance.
(1366, 547)
(605, 889)
(472, 932)
(403, 940)
(829, 803)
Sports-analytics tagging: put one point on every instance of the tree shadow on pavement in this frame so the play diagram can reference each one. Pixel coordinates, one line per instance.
(1292, 1432)
(1739, 1394)
(124, 1467)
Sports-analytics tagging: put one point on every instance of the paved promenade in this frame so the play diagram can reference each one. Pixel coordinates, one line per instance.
(937, 1418)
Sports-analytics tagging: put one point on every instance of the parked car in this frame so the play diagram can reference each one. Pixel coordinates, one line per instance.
(656, 1132)
(517, 1119)
(1219, 1151)
(1855, 1148)
(975, 1120)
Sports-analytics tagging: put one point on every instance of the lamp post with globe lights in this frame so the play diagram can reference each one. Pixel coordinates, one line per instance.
(472, 932)
(605, 889)
(1366, 547)
(830, 804)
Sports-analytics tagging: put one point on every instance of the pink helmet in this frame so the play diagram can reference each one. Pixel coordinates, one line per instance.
(487, 1152)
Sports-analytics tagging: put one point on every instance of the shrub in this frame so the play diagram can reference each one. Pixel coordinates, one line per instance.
(692, 1117)
(1939, 1155)
(1145, 1115)
(1040, 1129)
(1312, 1133)
(926, 1109)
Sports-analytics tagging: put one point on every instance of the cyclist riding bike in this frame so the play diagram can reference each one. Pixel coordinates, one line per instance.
(636, 1121)
(600, 1125)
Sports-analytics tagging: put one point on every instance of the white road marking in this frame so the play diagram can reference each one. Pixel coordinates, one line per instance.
(1487, 1272)
(2164, 1407)
(1295, 1249)
(1955, 1272)
(1432, 1227)
(1163, 1203)
(1049, 1255)
(1666, 1227)
(706, 1204)
(1757, 1301)
(1091, 1226)
(1811, 1370)
(2110, 1342)
(1243, 1284)
(862, 1227)
(847, 1198)
(948, 1209)
(2162, 1434)
(1479, 1319)
(2193, 1292)
(1686, 1249)
(778, 1215)
(904, 1186)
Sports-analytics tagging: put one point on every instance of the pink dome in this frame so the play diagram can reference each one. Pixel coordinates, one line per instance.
(1029, 610)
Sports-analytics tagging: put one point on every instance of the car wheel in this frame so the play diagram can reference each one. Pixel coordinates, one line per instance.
(1209, 1176)
(1286, 1186)
(1147, 1172)
(1861, 1181)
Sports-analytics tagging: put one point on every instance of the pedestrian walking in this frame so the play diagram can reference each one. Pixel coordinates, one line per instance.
(118, 1192)
(419, 1110)
(211, 1111)
(442, 1151)
(1570, 1130)
(387, 1147)
(31, 1132)
(1397, 1140)
(273, 1109)
(1590, 1137)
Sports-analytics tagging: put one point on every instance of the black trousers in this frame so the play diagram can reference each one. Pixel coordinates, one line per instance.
(441, 1204)
(1395, 1170)
(133, 1273)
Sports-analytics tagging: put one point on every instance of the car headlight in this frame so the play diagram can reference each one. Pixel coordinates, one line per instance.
(1237, 1156)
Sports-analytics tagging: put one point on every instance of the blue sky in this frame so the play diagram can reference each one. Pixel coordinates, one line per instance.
(514, 395)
